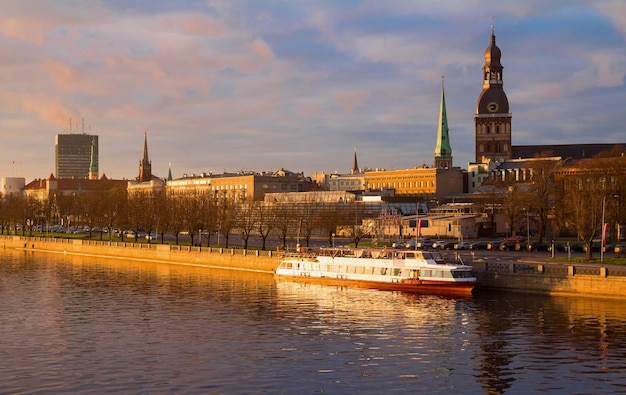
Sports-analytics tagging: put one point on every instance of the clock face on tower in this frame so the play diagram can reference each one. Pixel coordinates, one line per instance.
(492, 106)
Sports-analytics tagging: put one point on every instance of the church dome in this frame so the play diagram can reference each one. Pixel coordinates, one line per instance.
(493, 54)
(489, 96)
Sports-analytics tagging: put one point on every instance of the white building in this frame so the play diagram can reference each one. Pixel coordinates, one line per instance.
(11, 185)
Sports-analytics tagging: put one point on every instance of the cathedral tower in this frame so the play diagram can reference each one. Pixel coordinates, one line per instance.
(492, 121)
(443, 150)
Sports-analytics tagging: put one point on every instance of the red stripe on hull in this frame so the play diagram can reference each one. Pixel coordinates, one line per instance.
(419, 287)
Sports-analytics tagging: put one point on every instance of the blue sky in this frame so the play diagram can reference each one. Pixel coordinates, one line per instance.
(261, 85)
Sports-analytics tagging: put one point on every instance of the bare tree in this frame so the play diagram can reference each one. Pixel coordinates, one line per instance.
(329, 219)
(284, 221)
(226, 217)
(265, 213)
(246, 220)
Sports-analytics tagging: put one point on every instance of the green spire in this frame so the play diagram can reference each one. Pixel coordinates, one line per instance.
(443, 150)
(93, 165)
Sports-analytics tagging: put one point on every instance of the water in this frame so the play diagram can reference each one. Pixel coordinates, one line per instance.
(81, 325)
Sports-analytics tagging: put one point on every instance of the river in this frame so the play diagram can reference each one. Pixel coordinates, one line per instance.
(85, 325)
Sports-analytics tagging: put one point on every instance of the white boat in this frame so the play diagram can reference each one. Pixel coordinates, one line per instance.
(398, 270)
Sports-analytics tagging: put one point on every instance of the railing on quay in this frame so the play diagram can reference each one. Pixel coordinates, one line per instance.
(28, 242)
(553, 269)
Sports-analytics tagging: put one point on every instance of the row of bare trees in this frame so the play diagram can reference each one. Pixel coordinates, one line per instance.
(201, 216)
(570, 199)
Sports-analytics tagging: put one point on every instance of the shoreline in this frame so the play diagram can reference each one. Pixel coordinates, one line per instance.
(539, 277)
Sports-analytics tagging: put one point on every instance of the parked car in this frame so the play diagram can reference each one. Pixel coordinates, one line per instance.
(576, 248)
(151, 236)
(594, 247)
(538, 246)
(507, 246)
(410, 244)
(398, 244)
(522, 246)
(442, 245)
(478, 245)
(494, 245)
(515, 239)
(462, 246)
(620, 249)
(558, 247)
(425, 244)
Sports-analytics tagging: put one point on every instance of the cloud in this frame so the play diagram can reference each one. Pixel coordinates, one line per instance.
(235, 84)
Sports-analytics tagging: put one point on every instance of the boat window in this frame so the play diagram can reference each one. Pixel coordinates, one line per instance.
(360, 270)
(461, 274)
(396, 272)
(383, 270)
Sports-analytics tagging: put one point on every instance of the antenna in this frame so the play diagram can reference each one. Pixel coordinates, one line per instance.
(493, 17)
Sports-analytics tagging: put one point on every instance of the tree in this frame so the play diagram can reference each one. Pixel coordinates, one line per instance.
(329, 219)
(246, 220)
(284, 221)
(226, 212)
(587, 188)
(355, 229)
(541, 199)
(265, 213)
(307, 212)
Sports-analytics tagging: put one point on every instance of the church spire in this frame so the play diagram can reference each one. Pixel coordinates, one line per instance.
(355, 164)
(145, 166)
(93, 164)
(443, 150)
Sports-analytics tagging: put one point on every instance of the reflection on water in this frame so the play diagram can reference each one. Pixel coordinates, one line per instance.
(83, 325)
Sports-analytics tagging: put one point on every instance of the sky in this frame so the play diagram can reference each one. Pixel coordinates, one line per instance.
(229, 85)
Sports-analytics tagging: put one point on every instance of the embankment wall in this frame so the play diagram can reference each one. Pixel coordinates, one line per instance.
(535, 277)
(226, 258)
(552, 278)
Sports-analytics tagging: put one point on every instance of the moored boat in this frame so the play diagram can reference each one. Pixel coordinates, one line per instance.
(398, 270)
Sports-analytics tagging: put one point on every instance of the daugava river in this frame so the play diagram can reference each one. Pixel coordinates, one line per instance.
(92, 326)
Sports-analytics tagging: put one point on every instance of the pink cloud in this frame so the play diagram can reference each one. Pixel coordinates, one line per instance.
(28, 30)
(200, 26)
(349, 100)
(261, 48)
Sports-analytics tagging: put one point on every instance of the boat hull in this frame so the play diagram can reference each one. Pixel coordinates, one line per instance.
(412, 286)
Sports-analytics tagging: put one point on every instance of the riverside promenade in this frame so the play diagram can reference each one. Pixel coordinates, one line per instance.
(532, 275)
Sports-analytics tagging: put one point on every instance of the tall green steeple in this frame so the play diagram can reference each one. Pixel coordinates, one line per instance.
(443, 150)
(93, 165)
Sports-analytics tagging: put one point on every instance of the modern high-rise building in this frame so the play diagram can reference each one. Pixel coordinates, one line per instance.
(73, 155)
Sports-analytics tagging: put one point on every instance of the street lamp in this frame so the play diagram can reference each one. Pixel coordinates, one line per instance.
(602, 231)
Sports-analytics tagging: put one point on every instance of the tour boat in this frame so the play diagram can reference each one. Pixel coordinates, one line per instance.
(398, 270)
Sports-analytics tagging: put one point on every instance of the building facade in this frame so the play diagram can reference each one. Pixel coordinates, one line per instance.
(11, 186)
(424, 183)
(73, 154)
(240, 186)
